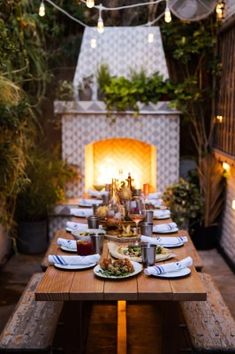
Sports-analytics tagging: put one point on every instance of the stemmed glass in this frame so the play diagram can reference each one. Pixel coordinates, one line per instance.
(136, 211)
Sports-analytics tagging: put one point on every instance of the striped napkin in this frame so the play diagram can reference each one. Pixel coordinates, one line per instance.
(165, 241)
(73, 260)
(80, 212)
(75, 226)
(70, 244)
(169, 267)
(171, 226)
(96, 194)
(159, 214)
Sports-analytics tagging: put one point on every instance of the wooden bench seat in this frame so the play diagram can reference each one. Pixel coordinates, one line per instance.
(32, 326)
(210, 324)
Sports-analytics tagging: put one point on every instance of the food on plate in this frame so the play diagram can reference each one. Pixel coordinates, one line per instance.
(119, 267)
(133, 252)
(123, 231)
(101, 211)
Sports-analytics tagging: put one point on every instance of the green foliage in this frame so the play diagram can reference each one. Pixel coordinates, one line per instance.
(184, 201)
(121, 94)
(47, 176)
(64, 91)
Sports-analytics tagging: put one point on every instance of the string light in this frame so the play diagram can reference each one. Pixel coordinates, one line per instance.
(42, 9)
(167, 15)
(150, 37)
(90, 3)
(93, 43)
(100, 23)
(219, 11)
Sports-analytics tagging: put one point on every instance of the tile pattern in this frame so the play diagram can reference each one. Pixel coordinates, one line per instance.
(229, 9)
(123, 49)
(160, 130)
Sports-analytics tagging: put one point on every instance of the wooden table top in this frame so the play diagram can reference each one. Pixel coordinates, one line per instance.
(64, 285)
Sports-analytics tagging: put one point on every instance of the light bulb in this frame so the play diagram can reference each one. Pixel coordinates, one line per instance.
(42, 9)
(100, 25)
(219, 11)
(167, 16)
(90, 3)
(93, 43)
(150, 38)
(219, 119)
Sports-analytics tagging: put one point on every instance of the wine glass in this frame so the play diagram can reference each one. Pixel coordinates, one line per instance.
(136, 211)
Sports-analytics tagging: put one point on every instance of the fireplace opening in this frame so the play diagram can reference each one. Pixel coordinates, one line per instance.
(115, 158)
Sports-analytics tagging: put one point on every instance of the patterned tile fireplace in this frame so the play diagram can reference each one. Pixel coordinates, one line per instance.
(153, 136)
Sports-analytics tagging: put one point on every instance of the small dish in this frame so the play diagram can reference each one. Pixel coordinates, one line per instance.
(74, 267)
(67, 249)
(177, 274)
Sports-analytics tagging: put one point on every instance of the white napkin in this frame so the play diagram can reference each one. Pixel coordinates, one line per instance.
(164, 241)
(73, 260)
(157, 203)
(75, 226)
(155, 195)
(81, 212)
(161, 213)
(169, 267)
(90, 202)
(165, 227)
(96, 194)
(71, 244)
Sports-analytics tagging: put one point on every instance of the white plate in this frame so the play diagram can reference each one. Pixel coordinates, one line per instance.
(162, 217)
(137, 269)
(89, 202)
(67, 249)
(79, 234)
(179, 244)
(73, 267)
(177, 274)
(166, 231)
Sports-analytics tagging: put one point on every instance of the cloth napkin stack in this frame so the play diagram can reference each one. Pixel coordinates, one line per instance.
(71, 244)
(81, 212)
(169, 267)
(164, 241)
(74, 260)
(172, 226)
(90, 202)
(158, 214)
(75, 226)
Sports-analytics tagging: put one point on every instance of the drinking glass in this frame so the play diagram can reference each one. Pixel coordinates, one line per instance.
(136, 211)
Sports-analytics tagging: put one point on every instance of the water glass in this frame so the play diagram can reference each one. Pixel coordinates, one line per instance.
(148, 254)
(146, 228)
(149, 216)
(93, 222)
(97, 241)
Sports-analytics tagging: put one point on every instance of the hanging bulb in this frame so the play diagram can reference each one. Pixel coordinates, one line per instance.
(42, 9)
(93, 43)
(219, 11)
(100, 23)
(150, 37)
(167, 16)
(90, 3)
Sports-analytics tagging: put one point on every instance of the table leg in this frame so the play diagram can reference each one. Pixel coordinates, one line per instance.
(121, 328)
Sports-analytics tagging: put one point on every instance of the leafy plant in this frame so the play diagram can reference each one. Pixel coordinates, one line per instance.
(65, 90)
(47, 176)
(184, 201)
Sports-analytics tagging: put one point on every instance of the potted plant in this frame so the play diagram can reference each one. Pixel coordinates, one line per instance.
(47, 176)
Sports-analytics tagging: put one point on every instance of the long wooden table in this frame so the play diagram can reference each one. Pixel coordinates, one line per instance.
(83, 285)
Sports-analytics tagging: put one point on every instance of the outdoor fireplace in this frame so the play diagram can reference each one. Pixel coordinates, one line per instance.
(146, 146)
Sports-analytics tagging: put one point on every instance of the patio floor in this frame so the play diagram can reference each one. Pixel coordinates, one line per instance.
(16, 273)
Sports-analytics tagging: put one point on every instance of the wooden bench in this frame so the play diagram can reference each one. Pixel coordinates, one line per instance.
(32, 326)
(210, 324)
